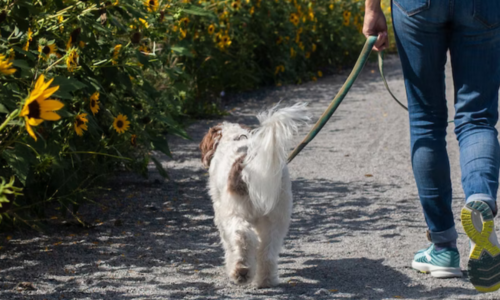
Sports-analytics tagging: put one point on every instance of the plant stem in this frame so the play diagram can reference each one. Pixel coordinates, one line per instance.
(12, 115)
(96, 153)
(55, 63)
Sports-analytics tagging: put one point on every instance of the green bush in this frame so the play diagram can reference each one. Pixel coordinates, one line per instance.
(90, 87)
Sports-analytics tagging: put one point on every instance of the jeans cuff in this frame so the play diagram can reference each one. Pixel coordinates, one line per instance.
(485, 198)
(446, 236)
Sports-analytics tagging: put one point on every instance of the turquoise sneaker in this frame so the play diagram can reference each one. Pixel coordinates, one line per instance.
(444, 263)
(484, 258)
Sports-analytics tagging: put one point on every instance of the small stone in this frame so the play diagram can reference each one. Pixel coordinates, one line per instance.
(25, 286)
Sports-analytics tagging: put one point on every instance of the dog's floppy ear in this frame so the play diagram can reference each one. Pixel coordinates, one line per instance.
(209, 144)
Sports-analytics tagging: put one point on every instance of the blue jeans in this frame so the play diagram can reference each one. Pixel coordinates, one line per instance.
(470, 29)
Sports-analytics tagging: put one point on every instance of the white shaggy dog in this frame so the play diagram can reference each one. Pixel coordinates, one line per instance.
(251, 191)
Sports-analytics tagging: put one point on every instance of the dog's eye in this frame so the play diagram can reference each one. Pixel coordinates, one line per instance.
(241, 136)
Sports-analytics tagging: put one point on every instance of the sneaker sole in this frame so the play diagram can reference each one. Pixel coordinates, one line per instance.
(484, 259)
(435, 271)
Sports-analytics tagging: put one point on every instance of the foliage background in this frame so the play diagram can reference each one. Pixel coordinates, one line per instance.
(156, 62)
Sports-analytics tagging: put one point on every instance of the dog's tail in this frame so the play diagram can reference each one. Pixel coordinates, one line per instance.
(267, 153)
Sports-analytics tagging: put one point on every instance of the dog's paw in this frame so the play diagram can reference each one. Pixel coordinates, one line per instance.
(267, 282)
(240, 274)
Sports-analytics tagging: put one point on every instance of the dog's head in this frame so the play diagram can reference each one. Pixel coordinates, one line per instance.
(209, 144)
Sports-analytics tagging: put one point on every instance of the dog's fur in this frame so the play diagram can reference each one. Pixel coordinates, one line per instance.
(251, 191)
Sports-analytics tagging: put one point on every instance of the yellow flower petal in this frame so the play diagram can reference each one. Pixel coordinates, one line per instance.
(35, 122)
(49, 116)
(25, 111)
(39, 82)
(30, 130)
(51, 105)
(48, 92)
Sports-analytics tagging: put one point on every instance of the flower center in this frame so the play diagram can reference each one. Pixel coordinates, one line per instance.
(46, 50)
(119, 124)
(92, 103)
(79, 122)
(152, 2)
(34, 110)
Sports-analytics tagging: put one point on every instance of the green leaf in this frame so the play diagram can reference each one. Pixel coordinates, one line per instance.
(161, 145)
(27, 53)
(66, 86)
(19, 160)
(198, 11)
(182, 51)
(160, 168)
(3, 109)
(179, 132)
(22, 64)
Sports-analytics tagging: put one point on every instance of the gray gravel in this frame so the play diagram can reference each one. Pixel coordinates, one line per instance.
(356, 221)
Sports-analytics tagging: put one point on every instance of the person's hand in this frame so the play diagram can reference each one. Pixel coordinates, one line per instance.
(375, 24)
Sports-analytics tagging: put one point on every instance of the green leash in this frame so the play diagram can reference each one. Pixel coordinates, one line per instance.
(360, 63)
(363, 57)
(381, 69)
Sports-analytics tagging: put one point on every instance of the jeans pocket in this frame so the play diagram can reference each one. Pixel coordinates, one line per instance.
(412, 7)
(487, 12)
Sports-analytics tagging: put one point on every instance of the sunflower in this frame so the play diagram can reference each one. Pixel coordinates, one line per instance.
(60, 19)
(74, 38)
(225, 41)
(347, 17)
(235, 4)
(12, 54)
(80, 124)
(252, 10)
(121, 124)
(133, 140)
(94, 103)
(320, 74)
(294, 18)
(47, 50)
(183, 33)
(144, 49)
(280, 68)
(314, 47)
(72, 60)
(211, 29)
(184, 21)
(5, 66)
(30, 38)
(70, 42)
(144, 22)
(37, 108)
(311, 15)
(116, 51)
(152, 5)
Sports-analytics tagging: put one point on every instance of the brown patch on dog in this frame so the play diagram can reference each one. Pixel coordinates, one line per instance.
(236, 185)
(209, 144)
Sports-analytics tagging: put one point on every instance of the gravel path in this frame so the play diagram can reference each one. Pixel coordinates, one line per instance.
(355, 226)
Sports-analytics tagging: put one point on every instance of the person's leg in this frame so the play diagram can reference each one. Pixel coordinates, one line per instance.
(475, 57)
(423, 34)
